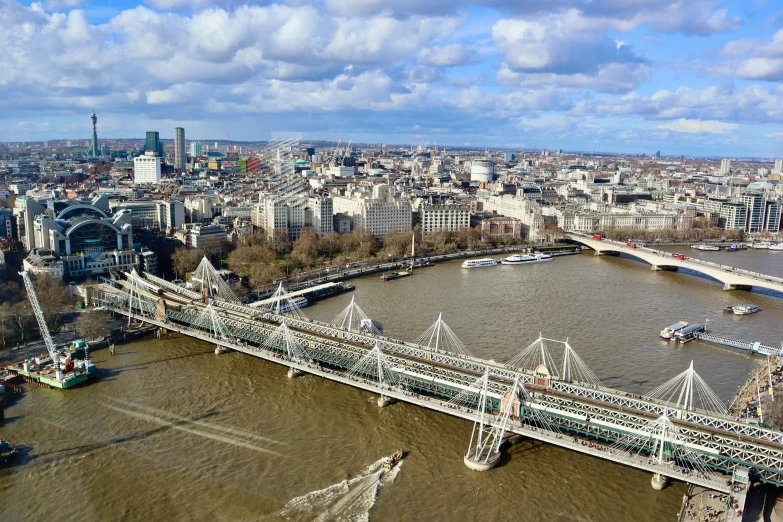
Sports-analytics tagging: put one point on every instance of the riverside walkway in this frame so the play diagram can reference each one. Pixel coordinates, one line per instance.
(731, 277)
(679, 430)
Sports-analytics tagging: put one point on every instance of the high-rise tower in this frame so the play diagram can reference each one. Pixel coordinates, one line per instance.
(94, 152)
(179, 148)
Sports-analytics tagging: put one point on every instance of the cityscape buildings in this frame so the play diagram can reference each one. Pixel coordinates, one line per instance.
(146, 169)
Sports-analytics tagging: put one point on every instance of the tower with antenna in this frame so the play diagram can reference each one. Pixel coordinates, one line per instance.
(94, 151)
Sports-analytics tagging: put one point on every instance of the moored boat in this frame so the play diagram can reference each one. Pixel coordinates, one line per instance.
(668, 332)
(518, 259)
(776, 247)
(394, 275)
(478, 263)
(688, 333)
(706, 248)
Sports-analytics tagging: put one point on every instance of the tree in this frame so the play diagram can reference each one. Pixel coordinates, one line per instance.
(305, 248)
(54, 297)
(185, 260)
(6, 321)
(91, 324)
(279, 242)
(329, 245)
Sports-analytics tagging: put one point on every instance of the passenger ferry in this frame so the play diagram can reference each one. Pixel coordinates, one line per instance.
(517, 259)
(706, 248)
(668, 332)
(744, 309)
(296, 302)
(478, 263)
(776, 247)
(688, 333)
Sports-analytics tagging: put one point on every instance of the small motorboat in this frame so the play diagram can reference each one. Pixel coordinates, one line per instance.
(7, 453)
(393, 460)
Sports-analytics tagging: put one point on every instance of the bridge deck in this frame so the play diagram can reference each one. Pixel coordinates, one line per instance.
(614, 413)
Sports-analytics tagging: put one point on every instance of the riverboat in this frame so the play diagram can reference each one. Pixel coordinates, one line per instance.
(777, 247)
(517, 259)
(479, 263)
(744, 309)
(296, 303)
(667, 333)
(394, 275)
(688, 333)
(393, 460)
(706, 248)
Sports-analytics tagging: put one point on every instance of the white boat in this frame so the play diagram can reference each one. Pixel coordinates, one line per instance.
(776, 246)
(706, 248)
(765, 245)
(518, 259)
(668, 332)
(478, 263)
(744, 309)
(296, 303)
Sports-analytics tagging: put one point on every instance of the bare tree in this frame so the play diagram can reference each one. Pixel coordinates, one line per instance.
(91, 324)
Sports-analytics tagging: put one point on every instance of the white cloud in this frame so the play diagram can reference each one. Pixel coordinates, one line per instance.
(698, 126)
(448, 55)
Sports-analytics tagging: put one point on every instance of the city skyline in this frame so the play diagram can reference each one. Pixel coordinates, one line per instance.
(702, 78)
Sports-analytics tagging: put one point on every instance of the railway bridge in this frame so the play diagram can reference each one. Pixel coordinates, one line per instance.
(679, 430)
(731, 277)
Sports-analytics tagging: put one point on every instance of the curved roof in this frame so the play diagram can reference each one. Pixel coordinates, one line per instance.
(92, 221)
(83, 207)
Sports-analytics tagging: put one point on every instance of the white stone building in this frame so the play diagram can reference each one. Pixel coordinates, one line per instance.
(378, 213)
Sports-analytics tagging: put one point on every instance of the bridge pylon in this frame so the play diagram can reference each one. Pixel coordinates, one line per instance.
(376, 367)
(439, 337)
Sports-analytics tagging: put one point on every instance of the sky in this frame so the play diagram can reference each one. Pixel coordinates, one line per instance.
(692, 77)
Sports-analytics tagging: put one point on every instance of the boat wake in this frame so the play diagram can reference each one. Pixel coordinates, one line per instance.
(349, 500)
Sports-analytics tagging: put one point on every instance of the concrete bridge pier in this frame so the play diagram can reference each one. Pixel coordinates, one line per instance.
(482, 463)
(384, 401)
(659, 482)
(727, 286)
(293, 372)
(667, 268)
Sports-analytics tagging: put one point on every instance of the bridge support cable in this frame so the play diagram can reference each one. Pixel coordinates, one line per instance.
(211, 283)
(283, 340)
(659, 442)
(688, 391)
(138, 297)
(353, 319)
(562, 362)
(281, 303)
(439, 337)
(210, 321)
(489, 432)
(376, 367)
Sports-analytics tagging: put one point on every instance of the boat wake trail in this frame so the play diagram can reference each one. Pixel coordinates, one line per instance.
(349, 500)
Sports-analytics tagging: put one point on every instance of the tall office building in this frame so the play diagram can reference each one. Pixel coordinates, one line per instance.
(196, 149)
(94, 149)
(778, 166)
(153, 143)
(179, 148)
(146, 169)
(725, 167)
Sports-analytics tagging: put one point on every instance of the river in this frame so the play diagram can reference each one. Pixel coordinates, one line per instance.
(172, 431)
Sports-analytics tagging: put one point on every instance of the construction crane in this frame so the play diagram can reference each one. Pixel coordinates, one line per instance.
(28, 284)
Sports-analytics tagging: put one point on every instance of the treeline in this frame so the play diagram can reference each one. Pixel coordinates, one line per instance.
(260, 259)
(17, 319)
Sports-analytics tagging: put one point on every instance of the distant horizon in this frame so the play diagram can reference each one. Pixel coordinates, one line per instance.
(223, 142)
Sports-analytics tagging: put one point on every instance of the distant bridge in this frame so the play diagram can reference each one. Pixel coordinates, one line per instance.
(731, 277)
